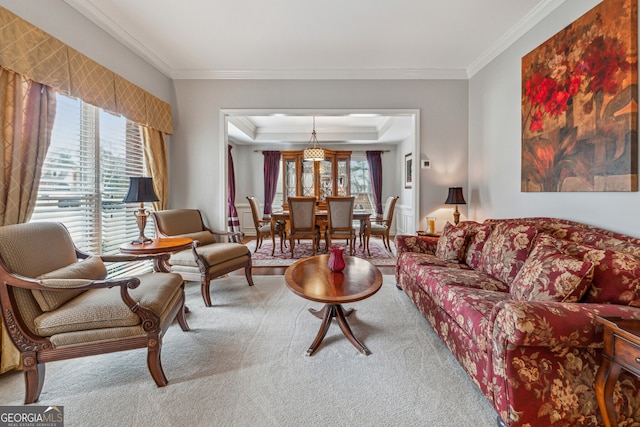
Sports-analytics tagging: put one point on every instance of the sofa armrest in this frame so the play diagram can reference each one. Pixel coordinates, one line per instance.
(420, 244)
(553, 324)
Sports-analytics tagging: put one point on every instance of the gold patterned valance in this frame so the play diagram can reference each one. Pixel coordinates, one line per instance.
(41, 57)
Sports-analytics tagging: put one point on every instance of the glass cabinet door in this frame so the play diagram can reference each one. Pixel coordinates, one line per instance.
(325, 174)
(342, 184)
(291, 178)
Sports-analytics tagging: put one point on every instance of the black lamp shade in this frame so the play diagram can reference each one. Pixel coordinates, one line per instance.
(455, 197)
(140, 190)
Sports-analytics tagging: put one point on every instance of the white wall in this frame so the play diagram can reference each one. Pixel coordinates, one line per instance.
(195, 145)
(495, 144)
(63, 22)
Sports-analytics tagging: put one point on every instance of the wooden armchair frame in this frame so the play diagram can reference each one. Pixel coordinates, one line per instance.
(36, 350)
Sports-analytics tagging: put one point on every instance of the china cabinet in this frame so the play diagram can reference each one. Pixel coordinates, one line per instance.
(328, 177)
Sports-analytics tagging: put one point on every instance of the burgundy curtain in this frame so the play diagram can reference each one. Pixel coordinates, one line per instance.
(271, 172)
(375, 173)
(233, 224)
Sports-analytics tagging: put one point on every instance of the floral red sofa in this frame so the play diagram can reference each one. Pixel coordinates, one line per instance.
(515, 301)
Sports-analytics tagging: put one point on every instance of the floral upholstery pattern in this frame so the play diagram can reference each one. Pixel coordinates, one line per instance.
(506, 249)
(451, 244)
(550, 275)
(616, 276)
(478, 235)
(534, 360)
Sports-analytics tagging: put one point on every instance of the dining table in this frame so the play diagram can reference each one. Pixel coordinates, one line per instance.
(322, 217)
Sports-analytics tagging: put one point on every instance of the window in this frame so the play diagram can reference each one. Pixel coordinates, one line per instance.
(361, 184)
(86, 176)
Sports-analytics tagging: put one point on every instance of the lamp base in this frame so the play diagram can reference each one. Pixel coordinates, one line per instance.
(142, 240)
(456, 216)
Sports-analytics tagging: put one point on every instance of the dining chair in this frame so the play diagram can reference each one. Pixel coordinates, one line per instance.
(340, 220)
(303, 221)
(382, 226)
(265, 227)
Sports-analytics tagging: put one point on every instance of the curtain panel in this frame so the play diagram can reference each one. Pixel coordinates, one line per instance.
(233, 223)
(27, 113)
(155, 158)
(40, 57)
(374, 158)
(271, 172)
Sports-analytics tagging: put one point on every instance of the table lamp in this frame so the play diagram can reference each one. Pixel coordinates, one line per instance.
(455, 197)
(140, 191)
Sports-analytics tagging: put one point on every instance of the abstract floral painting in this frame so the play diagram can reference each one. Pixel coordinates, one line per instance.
(579, 105)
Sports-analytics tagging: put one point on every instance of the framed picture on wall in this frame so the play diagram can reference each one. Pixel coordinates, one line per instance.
(408, 170)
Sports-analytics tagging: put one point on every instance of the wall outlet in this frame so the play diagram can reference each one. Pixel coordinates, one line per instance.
(425, 164)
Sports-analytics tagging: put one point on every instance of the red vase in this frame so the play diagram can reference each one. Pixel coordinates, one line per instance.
(336, 261)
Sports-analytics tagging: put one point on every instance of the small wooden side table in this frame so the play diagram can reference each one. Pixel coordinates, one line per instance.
(163, 246)
(621, 351)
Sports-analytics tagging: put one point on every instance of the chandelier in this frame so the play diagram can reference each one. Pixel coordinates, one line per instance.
(314, 152)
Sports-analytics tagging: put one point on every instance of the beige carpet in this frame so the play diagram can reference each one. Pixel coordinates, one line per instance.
(244, 364)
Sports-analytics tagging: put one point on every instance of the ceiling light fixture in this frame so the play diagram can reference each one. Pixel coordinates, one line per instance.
(315, 152)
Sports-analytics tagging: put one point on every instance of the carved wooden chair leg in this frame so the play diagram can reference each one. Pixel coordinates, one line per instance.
(205, 286)
(154, 363)
(182, 318)
(33, 377)
(247, 274)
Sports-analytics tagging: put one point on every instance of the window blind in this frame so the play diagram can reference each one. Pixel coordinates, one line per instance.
(86, 176)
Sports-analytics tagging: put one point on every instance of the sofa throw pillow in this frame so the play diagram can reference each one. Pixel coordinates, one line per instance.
(550, 275)
(451, 243)
(476, 239)
(506, 249)
(616, 275)
(92, 268)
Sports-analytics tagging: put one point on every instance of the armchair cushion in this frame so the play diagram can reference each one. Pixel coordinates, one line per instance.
(104, 308)
(92, 268)
(212, 254)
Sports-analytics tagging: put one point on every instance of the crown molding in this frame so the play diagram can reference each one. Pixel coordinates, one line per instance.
(530, 20)
(323, 74)
(111, 27)
(95, 15)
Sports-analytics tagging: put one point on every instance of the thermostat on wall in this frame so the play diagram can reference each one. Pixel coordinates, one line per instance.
(425, 164)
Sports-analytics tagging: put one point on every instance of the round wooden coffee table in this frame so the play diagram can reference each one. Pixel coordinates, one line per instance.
(312, 279)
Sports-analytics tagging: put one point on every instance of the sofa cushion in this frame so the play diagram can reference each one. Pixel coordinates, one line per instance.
(92, 268)
(616, 275)
(471, 309)
(550, 275)
(478, 235)
(506, 249)
(451, 244)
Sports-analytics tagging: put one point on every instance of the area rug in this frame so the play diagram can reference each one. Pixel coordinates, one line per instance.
(380, 256)
(243, 364)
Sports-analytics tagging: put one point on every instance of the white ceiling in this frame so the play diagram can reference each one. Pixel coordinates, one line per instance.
(328, 39)
(319, 39)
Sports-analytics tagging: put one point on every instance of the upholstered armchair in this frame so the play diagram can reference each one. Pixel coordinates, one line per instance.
(58, 304)
(210, 257)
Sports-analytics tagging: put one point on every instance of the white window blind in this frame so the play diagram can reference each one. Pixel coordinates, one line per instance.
(86, 176)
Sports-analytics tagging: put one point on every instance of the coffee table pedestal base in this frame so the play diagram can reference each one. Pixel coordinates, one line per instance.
(327, 313)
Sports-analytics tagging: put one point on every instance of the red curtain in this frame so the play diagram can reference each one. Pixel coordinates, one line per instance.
(271, 172)
(375, 173)
(233, 223)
